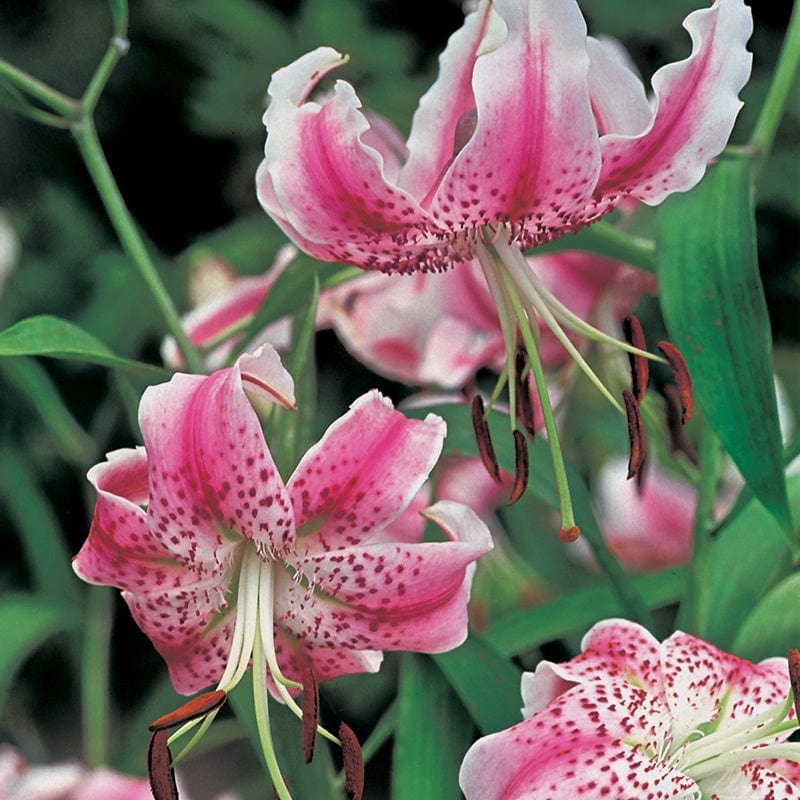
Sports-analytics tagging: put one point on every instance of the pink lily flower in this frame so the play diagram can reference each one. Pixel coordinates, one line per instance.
(634, 717)
(532, 130)
(213, 551)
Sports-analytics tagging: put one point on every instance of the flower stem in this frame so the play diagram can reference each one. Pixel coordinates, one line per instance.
(94, 676)
(65, 106)
(783, 82)
(85, 136)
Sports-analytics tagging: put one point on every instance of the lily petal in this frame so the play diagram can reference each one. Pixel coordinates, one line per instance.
(211, 472)
(190, 626)
(696, 104)
(574, 748)
(362, 474)
(699, 679)
(328, 190)
(120, 550)
(612, 649)
(432, 142)
(389, 596)
(534, 153)
(753, 780)
(618, 98)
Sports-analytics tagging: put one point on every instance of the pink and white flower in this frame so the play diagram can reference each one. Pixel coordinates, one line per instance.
(531, 130)
(632, 717)
(216, 555)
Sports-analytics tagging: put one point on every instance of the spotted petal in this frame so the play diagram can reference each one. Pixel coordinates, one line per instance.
(614, 649)
(211, 473)
(534, 153)
(754, 780)
(362, 474)
(703, 683)
(696, 104)
(588, 743)
(388, 596)
(328, 189)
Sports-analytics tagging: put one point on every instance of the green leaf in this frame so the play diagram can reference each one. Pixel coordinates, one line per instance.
(26, 622)
(38, 529)
(433, 733)
(736, 581)
(577, 611)
(773, 626)
(39, 390)
(714, 307)
(50, 336)
(487, 683)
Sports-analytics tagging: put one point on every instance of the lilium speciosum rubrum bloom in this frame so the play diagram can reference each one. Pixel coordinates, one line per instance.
(221, 562)
(631, 717)
(532, 130)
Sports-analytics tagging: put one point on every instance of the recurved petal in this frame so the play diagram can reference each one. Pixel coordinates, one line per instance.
(211, 473)
(614, 649)
(617, 93)
(389, 596)
(328, 189)
(191, 626)
(432, 143)
(120, 550)
(574, 748)
(534, 155)
(700, 680)
(696, 104)
(362, 474)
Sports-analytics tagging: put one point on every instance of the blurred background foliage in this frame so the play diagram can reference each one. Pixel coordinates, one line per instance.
(180, 122)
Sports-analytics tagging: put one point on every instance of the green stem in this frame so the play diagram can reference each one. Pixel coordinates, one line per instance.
(94, 676)
(60, 103)
(85, 136)
(117, 48)
(710, 462)
(606, 240)
(783, 82)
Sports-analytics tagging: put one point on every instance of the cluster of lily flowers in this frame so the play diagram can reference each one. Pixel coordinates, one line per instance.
(226, 565)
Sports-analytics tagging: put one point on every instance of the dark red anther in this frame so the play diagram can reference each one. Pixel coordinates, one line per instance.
(193, 709)
(636, 434)
(640, 369)
(353, 763)
(484, 439)
(524, 405)
(683, 380)
(569, 535)
(521, 467)
(310, 708)
(159, 767)
(794, 679)
(677, 436)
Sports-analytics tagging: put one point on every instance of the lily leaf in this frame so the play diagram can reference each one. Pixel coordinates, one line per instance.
(26, 622)
(714, 307)
(432, 735)
(487, 683)
(773, 626)
(50, 336)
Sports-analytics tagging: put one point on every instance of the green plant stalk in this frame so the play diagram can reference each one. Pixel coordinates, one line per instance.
(710, 462)
(85, 136)
(94, 676)
(782, 84)
(67, 107)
